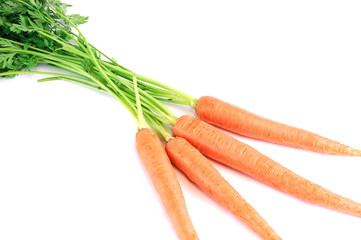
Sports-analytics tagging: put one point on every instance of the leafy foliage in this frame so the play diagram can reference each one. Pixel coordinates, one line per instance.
(15, 61)
(41, 31)
(23, 21)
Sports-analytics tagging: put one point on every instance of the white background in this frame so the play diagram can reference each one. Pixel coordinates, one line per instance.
(68, 164)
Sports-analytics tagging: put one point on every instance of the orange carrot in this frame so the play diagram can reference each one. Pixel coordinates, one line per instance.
(229, 151)
(163, 177)
(240, 121)
(193, 164)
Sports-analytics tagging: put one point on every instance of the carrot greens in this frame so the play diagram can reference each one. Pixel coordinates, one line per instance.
(34, 32)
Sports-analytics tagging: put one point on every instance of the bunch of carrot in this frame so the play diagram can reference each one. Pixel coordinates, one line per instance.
(195, 138)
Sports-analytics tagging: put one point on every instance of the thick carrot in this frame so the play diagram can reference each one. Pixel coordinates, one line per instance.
(163, 177)
(240, 121)
(199, 170)
(229, 151)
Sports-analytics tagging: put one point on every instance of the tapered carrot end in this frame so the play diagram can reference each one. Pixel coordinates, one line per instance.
(353, 152)
(349, 206)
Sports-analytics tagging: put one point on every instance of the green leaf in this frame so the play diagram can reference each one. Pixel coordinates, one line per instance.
(35, 3)
(2, 20)
(55, 2)
(23, 20)
(33, 62)
(17, 28)
(28, 61)
(78, 19)
(36, 15)
(6, 60)
(26, 46)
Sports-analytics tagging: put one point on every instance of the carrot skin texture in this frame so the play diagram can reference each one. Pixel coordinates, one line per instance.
(199, 170)
(242, 122)
(229, 151)
(161, 172)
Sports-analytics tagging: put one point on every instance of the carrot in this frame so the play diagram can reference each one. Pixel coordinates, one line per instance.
(240, 121)
(198, 169)
(163, 177)
(229, 151)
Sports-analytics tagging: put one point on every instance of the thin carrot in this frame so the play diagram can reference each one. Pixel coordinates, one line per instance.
(193, 164)
(229, 151)
(163, 177)
(240, 121)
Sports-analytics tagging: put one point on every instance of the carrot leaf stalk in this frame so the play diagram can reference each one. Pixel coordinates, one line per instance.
(140, 117)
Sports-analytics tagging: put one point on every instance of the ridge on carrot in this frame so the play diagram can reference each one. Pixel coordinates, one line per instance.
(229, 151)
(199, 170)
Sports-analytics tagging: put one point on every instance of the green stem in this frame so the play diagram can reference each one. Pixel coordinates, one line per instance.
(125, 100)
(163, 132)
(157, 106)
(141, 120)
(110, 59)
(37, 72)
(145, 107)
(69, 48)
(128, 74)
(49, 19)
(72, 80)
